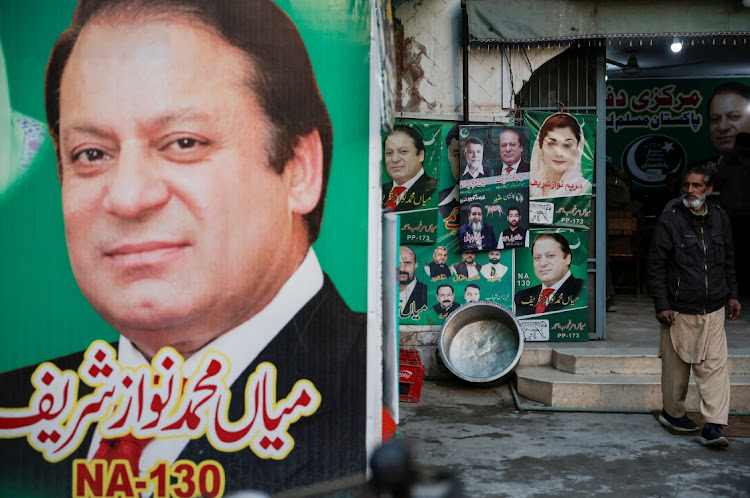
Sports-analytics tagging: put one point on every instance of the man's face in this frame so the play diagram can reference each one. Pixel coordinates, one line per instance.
(473, 155)
(454, 156)
(475, 214)
(440, 256)
(494, 256)
(166, 190)
(514, 217)
(728, 116)
(694, 191)
(406, 266)
(550, 264)
(401, 158)
(471, 294)
(468, 257)
(445, 297)
(510, 147)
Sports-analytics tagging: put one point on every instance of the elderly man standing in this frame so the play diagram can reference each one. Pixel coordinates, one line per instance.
(692, 281)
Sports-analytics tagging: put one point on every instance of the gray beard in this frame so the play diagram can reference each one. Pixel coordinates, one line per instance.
(693, 204)
(476, 226)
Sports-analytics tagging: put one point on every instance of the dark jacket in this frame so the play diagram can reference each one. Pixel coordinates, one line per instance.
(691, 261)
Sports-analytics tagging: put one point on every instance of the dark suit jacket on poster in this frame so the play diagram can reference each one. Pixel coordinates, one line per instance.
(513, 238)
(436, 270)
(417, 299)
(489, 241)
(417, 197)
(523, 167)
(460, 268)
(324, 343)
(442, 312)
(526, 299)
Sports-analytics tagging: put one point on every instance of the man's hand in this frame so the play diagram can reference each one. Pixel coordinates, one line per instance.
(734, 309)
(666, 317)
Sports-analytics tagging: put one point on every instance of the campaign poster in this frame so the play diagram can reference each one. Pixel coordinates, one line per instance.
(494, 187)
(440, 280)
(167, 329)
(562, 165)
(550, 286)
(411, 168)
(656, 128)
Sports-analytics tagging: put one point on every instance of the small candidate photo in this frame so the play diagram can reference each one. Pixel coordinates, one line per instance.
(445, 301)
(493, 270)
(556, 159)
(437, 269)
(475, 234)
(412, 296)
(408, 165)
(559, 289)
(467, 268)
(515, 235)
(514, 150)
(472, 293)
(472, 151)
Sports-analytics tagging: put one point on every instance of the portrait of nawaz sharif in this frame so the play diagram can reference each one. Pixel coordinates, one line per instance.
(193, 144)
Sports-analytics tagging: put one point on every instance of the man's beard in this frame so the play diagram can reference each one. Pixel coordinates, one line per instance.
(694, 203)
(408, 280)
(494, 261)
(476, 226)
(514, 223)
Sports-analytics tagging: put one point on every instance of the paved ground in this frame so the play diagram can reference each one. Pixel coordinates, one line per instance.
(498, 451)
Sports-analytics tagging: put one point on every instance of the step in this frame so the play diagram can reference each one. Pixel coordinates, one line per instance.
(553, 387)
(629, 361)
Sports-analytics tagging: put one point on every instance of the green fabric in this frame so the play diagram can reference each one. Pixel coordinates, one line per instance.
(543, 20)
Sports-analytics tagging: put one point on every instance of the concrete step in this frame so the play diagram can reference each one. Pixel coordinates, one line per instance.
(553, 387)
(627, 361)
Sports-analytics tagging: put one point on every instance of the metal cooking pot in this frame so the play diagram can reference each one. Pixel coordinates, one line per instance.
(481, 342)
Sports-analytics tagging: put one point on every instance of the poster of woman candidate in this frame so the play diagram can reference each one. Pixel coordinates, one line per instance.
(176, 311)
(494, 181)
(411, 167)
(550, 285)
(562, 165)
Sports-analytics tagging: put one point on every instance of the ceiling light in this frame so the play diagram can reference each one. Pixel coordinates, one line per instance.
(676, 46)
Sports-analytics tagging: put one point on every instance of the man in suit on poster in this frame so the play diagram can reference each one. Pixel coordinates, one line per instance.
(412, 293)
(559, 289)
(410, 187)
(437, 269)
(475, 235)
(474, 154)
(511, 153)
(158, 159)
(446, 303)
(515, 235)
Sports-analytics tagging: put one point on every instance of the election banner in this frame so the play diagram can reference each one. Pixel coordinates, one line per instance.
(411, 165)
(562, 165)
(550, 286)
(494, 187)
(177, 314)
(657, 127)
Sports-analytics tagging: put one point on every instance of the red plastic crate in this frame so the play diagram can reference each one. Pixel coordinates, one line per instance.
(410, 375)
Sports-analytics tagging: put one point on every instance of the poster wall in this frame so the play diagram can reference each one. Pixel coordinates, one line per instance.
(435, 280)
(168, 327)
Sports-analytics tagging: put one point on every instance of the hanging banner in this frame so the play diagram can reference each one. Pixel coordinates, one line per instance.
(656, 128)
(411, 164)
(171, 331)
(494, 188)
(562, 165)
(550, 279)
